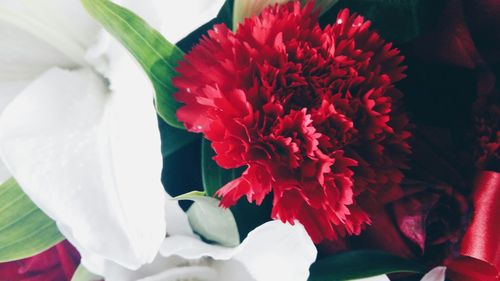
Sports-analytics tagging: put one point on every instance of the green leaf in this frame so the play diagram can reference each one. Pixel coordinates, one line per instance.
(213, 176)
(82, 274)
(211, 221)
(24, 229)
(360, 264)
(173, 139)
(397, 20)
(156, 55)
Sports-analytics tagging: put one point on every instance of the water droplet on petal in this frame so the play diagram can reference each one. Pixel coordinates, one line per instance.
(340, 21)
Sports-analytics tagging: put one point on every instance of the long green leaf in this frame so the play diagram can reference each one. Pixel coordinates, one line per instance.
(213, 176)
(24, 229)
(155, 54)
(360, 264)
(211, 221)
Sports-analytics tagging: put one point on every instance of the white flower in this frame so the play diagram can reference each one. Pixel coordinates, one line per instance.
(78, 129)
(273, 251)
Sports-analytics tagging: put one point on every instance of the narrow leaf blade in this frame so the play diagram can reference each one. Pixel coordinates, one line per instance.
(24, 229)
(360, 264)
(155, 54)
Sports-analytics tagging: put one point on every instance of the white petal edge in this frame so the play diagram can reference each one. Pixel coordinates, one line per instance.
(8, 91)
(277, 251)
(176, 224)
(95, 173)
(193, 248)
(176, 220)
(436, 274)
(272, 251)
(25, 56)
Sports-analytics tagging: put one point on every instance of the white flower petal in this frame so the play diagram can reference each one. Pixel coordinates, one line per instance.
(202, 273)
(273, 251)
(176, 220)
(114, 272)
(9, 90)
(25, 56)
(4, 173)
(62, 24)
(231, 270)
(277, 251)
(192, 248)
(436, 274)
(91, 160)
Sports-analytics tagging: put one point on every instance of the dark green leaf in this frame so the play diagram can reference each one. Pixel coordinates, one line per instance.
(214, 177)
(226, 13)
(24, 229)
(173, 139)
(214, 223)
(324, 5)
(397, 20)
(156, 55)
(360, 264)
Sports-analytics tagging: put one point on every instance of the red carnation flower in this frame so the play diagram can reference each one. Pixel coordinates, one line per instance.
(312, 113)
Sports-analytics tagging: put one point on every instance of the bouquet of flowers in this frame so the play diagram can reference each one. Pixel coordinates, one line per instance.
(262, 140)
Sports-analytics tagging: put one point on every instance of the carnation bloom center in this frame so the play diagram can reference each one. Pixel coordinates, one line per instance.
(312, 113)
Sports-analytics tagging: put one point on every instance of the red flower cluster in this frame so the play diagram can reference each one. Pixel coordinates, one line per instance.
(311, 112)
